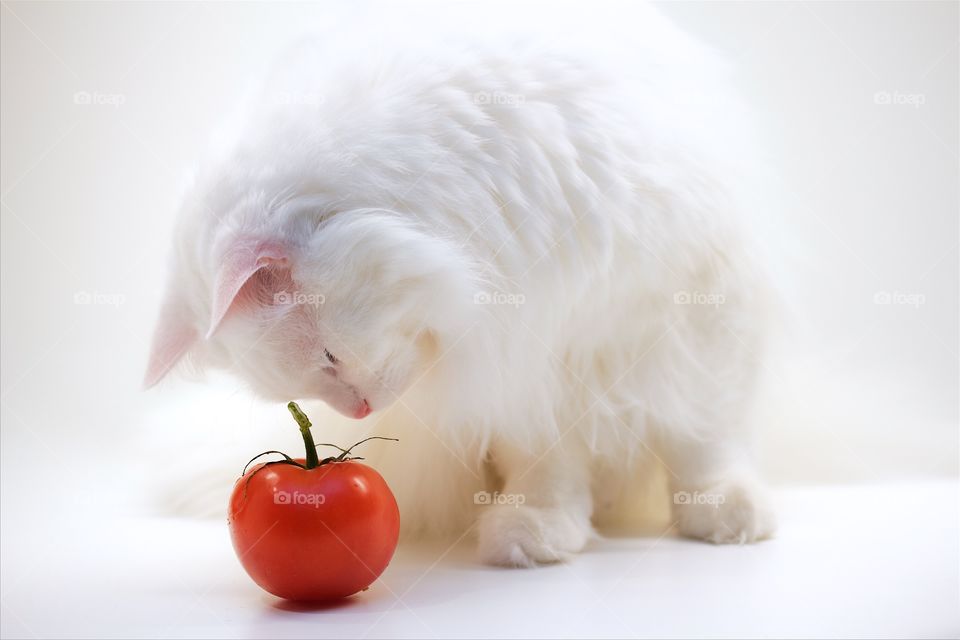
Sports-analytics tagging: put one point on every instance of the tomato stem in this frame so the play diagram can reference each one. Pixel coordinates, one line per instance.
(312, 459)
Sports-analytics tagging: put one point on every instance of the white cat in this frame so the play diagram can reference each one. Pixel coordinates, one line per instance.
(533, 249)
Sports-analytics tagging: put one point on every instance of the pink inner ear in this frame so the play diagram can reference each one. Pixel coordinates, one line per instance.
(239, 265)
(172, 339)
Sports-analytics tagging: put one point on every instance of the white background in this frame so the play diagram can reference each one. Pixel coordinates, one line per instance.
(866, 203)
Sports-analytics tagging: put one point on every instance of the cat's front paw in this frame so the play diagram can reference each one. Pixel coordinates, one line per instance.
(524, 536)
(731, 512)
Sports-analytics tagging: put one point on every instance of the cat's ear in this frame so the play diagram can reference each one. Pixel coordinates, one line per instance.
(240, 263)
(173, 337)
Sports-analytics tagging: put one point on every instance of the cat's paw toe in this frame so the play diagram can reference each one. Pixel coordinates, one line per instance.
(731, 512)
(525, 536)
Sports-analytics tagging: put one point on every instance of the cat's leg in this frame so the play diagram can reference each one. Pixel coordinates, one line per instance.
(542, 515)
(716, 493)
(709, 368)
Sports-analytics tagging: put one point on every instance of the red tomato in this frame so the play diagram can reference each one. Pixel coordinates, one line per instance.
(310, 530)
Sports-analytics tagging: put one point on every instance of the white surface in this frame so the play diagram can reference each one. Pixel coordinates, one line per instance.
(867, 561)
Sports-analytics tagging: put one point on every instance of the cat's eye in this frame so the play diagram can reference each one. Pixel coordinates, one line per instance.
(332, 358)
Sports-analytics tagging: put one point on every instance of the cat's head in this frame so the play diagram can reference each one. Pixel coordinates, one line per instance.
(349, 308)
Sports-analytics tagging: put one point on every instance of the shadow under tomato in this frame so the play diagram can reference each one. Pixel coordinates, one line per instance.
(307, 606)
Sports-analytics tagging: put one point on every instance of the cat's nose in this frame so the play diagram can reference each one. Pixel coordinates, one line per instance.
(363, 410)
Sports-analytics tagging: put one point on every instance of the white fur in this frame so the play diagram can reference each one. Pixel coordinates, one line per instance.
(583, 186)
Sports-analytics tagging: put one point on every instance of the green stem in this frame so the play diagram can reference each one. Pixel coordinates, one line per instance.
(304, 422)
